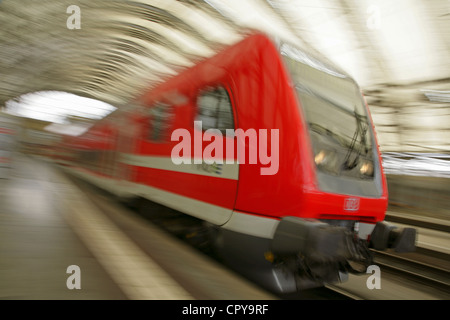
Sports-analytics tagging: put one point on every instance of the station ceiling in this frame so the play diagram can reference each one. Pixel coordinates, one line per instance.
(398, 51)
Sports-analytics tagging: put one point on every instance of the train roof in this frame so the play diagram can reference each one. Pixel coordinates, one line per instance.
(249, 47)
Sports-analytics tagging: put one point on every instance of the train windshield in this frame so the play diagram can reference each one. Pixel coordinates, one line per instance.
(335, 111)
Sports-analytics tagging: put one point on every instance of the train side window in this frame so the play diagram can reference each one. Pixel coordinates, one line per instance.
(214, 109)
(161, 119)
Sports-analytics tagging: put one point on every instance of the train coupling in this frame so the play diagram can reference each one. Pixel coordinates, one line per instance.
(320, 241)
(386, 236)
(314, 252)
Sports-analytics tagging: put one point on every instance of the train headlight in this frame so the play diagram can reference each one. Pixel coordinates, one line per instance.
(326, 160)
(320, 157)
(366, 168)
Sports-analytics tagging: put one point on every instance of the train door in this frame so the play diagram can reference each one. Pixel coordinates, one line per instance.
(216, 165)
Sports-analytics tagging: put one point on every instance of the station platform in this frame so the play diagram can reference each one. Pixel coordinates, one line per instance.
(37, 245)
(47, 226)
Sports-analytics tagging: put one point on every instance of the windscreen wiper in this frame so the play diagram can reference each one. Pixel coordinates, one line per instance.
(361, 130)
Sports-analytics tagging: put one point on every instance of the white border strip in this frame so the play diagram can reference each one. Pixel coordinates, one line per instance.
(252, 225)
(249, 224)
(196, 208)
(226, 171)
(228, 219)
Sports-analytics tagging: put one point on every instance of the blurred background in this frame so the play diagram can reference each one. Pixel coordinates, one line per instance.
(111, 50)
(65, 64)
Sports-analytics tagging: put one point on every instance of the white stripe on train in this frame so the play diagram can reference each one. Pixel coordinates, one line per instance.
(240, 222)
(226, 171)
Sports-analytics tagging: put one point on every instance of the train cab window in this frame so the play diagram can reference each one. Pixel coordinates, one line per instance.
(214, 109)
(161, 119)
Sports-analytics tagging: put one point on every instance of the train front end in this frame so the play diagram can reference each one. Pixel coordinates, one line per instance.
(342, 214)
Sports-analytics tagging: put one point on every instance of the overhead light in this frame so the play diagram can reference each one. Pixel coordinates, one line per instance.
(57, 107)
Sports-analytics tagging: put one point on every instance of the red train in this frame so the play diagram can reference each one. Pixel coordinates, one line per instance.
(271, 147)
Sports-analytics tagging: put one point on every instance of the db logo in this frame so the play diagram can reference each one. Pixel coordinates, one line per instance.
(351, 204)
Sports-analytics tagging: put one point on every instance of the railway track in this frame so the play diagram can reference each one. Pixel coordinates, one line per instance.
(426, 266)
(415, 221)
(419, 269)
